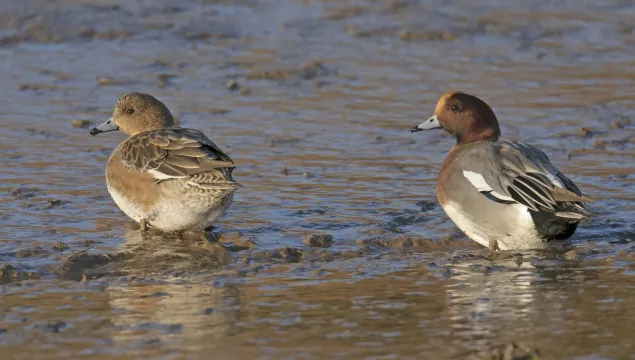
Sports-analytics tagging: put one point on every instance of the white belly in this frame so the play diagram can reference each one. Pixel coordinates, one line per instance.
(135, 212)
(189, 215)
(176, 214)
(518, 233)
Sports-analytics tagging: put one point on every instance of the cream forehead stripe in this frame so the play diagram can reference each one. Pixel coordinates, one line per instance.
(444, 98)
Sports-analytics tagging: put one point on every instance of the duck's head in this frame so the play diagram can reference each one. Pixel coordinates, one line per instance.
(135, 113)
(465, 116)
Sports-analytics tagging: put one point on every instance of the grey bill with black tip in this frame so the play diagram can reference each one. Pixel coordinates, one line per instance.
(431, 123)
(106, 126)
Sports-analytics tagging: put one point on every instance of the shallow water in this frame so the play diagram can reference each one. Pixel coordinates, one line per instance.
(322, 145)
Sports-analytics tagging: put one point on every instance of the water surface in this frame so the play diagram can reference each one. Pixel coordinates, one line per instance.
(320, 136)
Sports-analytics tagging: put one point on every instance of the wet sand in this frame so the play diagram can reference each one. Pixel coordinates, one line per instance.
(313, 100)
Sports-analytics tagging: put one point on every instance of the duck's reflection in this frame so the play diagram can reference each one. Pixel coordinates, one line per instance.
(198, 314)
(481, 298)
(161, 300)
(146, 253)
(539, 303)
(399, 304)
(151, 253)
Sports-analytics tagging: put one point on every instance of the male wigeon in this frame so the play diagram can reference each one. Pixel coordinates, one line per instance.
(171, 179)
(502, 194)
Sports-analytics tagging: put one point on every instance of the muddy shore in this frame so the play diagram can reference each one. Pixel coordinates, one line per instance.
(336, 246)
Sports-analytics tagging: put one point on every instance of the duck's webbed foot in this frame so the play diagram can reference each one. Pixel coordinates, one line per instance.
(206, 234)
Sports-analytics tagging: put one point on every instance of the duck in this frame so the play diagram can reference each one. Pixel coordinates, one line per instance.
(162, 176)
(503, 194)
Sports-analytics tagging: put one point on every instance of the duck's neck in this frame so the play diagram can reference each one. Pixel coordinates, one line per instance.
(486, 134)
(446, 172)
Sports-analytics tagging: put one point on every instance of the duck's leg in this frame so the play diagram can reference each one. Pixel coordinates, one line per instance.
(210, 235)
(144, 226)
(493, 246)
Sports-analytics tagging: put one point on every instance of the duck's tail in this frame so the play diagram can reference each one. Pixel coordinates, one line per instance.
(575, 212)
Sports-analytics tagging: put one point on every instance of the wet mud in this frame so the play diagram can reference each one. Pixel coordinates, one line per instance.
(336, 246)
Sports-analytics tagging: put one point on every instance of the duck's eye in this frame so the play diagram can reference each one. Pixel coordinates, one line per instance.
(129, 111)
(455, 107)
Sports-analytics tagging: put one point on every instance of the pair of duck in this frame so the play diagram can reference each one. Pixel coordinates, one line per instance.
(502, 194)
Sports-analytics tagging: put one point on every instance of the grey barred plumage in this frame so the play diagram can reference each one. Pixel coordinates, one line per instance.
(501, 193)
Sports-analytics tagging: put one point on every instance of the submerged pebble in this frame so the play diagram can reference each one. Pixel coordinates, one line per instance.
(164, 79)
(52, 326)
(585, 132)
(81, 124)
(32, 252)
(425, 35)
(232, 85)
(53, 203)
(8, 274)
(571, 255)
(617, 125)
(60, 246)
(318, 240)
(512, 351)
(132, 225)
(371, 178)
(426, 205)
(103, 81)
(6, 270)
(223, 256)
(36, 87)
(290, 254)
(235, 242)
(309, 71)
(23, 193)
(103, 227)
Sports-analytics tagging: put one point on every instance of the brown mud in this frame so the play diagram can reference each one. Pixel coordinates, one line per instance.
(335, 247)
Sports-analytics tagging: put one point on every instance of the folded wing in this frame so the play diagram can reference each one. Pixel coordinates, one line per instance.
(516, 172)
(174, 153)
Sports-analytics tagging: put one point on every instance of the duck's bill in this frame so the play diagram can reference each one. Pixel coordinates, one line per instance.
(108, 125)
(431, 123)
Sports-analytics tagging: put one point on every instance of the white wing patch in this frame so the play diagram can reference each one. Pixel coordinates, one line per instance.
(161, 176)
(477, 180)
(481, 185)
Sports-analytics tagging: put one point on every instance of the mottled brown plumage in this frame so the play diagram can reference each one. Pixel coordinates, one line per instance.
(136, 112)
(170, 178)
(174, 152)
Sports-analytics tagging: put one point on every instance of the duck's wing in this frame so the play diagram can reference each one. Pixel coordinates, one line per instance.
(515, 172)
(173, 153)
